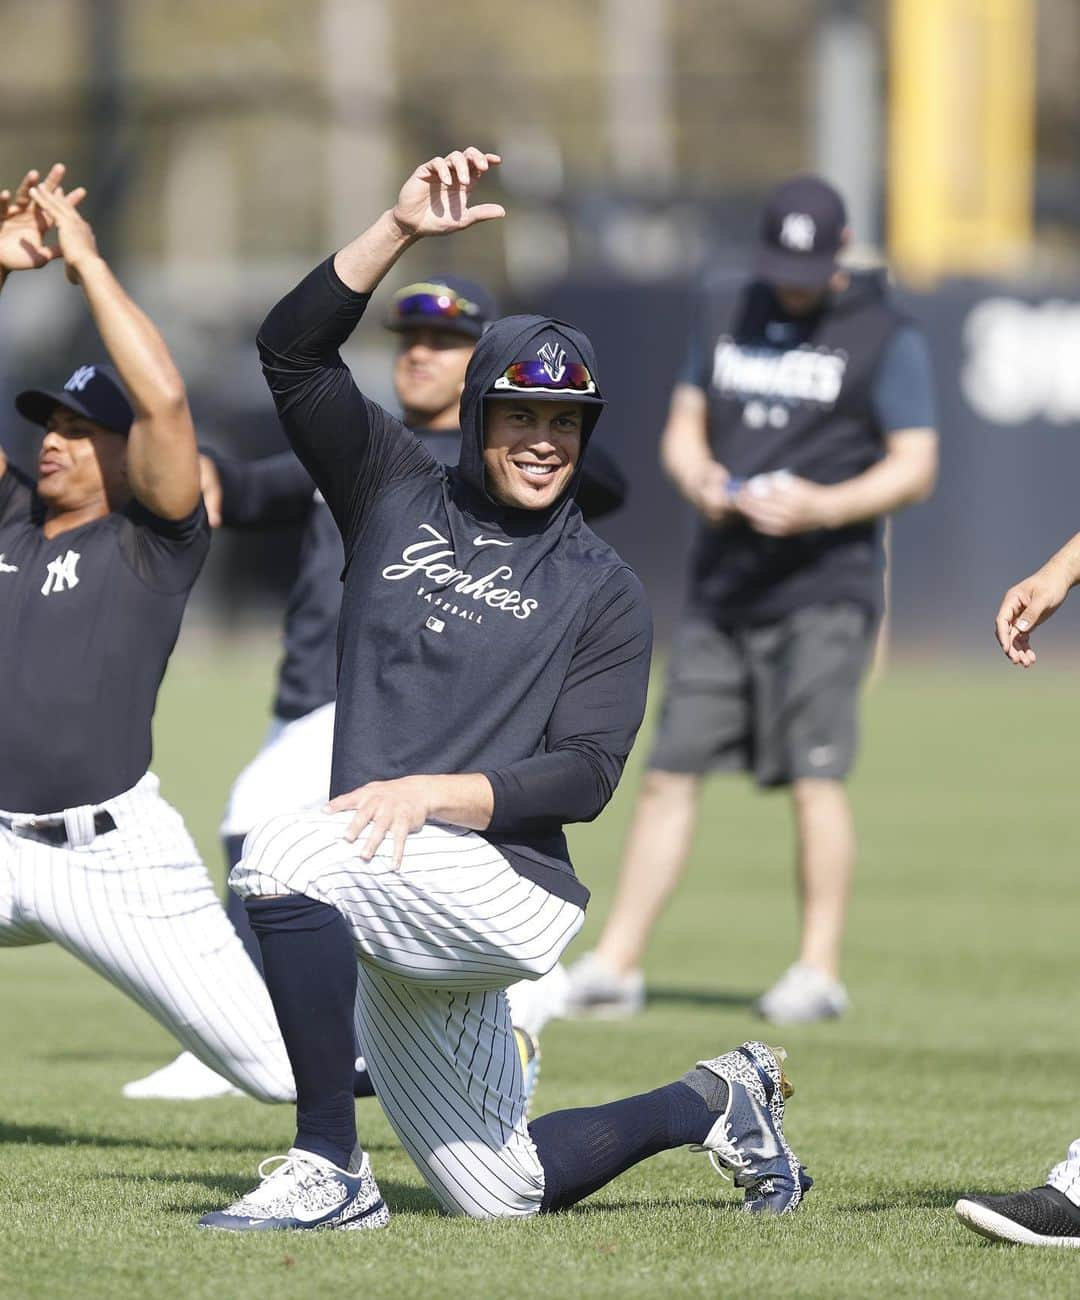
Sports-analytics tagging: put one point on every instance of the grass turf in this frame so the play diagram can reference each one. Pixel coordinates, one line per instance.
(955, 1071)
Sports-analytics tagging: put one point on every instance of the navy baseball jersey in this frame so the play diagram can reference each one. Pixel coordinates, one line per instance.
(474, 637)
(88, 620)
(815, 395)
(277, 491)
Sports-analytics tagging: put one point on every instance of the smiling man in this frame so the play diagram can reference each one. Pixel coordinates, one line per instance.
(492, 667)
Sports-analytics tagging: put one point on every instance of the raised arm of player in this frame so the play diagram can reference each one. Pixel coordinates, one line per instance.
(349, 445)
(162, 457)
(23, 229)
(1031, 602)
(687, 457)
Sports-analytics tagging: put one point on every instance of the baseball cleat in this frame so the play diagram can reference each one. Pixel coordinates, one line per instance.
(529, 1053)
(185, 1079)
(748, 1138)
(304, 1192)
(1042, 1217)
(802, 995)
(596, 992)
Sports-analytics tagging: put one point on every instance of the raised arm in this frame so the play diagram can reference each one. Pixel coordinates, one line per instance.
(349, 445)
(162, 457)
(23, 231)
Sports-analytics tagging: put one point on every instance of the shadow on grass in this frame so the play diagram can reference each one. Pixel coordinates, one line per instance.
(52, 1135)
(585, 1209)
(916, 1198)
(662, 994)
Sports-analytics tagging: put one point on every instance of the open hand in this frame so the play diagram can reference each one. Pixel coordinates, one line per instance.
(385, 808)
(25, 224)
(435, 198)
(75, 237)
(1024, 607)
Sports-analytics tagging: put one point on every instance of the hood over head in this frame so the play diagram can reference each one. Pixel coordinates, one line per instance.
(532, 358)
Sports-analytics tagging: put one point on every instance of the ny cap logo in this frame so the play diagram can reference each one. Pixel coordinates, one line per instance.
(80, 379)
(61, 573)
(554, 359)
(798, 231)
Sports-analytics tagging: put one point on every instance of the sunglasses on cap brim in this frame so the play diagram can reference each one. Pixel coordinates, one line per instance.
(430, 302)
(535, 377)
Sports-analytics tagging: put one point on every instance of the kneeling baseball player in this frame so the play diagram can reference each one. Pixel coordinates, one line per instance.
(492, 669)
(96, 561)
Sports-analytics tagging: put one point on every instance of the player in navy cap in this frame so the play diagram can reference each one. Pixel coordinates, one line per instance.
(803, 415)
(97, 555)
(492, 668)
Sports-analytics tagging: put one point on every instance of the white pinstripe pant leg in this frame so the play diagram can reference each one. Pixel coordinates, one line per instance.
(438, 943)
(137, 906)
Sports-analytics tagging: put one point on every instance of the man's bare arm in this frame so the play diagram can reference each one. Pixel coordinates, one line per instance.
(687, 458)
(1032, 601)
(162, 461)
(904, 476)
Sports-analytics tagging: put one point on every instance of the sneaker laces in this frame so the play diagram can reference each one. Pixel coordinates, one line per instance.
(301, 1169)
(729, 1158)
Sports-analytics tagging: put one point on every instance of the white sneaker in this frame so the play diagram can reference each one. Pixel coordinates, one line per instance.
(305, 1192)
(185, 1079)
(595, 991)
(534, 1002)
(801, 995)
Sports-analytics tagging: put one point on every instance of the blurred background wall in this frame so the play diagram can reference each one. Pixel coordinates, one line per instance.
(228, 146)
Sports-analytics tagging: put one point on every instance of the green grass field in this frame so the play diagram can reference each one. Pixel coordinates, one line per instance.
(956, 1070)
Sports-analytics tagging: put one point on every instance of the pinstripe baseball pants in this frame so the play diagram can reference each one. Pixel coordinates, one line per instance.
(136, 905)
(437, 942)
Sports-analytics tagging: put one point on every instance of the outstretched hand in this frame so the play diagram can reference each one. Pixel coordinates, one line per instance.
(75, 237)
(24, 223)
(1024, 607)
(435, 198)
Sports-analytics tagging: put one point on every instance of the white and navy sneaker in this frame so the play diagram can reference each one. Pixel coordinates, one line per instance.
(303, 1192)
(748, 1138)
(595, 991)
(1041, 1217)
(802, 995)
(185, 1079)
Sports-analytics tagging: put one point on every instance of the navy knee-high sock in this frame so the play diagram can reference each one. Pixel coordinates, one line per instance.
(309, 964)
(581, 1150)
(234, 906)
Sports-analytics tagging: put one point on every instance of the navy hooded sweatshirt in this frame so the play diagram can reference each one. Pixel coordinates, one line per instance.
(474, 637)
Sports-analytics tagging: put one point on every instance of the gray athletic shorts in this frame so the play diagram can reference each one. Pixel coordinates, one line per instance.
(777, 699)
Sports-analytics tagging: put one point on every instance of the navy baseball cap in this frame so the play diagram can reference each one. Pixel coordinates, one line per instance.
(550, 369)
(802, 230)
(94, 391)
(443, 302)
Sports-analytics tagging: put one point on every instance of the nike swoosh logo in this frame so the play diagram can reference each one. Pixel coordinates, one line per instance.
(481, 540)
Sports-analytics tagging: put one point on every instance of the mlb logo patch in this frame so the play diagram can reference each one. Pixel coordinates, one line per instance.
(434, 624)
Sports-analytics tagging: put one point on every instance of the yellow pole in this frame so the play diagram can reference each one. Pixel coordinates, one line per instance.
(961, 135)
